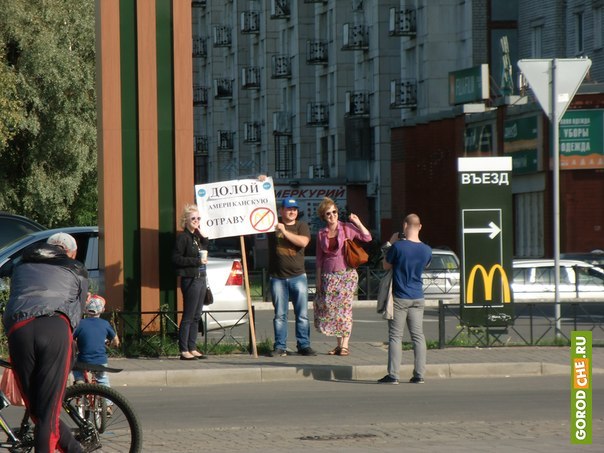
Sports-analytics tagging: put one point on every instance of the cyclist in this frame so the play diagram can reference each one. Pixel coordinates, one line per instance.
(48, 290)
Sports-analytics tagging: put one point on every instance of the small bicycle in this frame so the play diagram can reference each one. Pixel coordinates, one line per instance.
(100, 418)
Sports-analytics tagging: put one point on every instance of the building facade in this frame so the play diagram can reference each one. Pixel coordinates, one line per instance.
(512, 123)
(308, 91)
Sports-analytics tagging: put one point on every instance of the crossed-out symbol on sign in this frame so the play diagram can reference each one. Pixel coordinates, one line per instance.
(262, 219)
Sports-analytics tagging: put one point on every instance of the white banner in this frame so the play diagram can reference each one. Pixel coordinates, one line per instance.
(236, 208)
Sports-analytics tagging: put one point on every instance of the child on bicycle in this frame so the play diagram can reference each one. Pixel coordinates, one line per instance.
(91, 336)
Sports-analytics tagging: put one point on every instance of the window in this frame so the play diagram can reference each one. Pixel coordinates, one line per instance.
(537, 42)
(579, 29)
(597, 28)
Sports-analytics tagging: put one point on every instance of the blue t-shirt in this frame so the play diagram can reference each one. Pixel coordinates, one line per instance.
(90, 336)
(408, 259)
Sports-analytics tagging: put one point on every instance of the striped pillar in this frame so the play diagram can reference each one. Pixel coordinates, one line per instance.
(145, 140)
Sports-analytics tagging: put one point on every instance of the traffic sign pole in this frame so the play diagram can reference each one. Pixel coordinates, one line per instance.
(563, 76)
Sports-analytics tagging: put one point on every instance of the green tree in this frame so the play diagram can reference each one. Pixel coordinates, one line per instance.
(48, 111)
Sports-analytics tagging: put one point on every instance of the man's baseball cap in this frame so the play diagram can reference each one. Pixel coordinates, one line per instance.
(289, 203)
(96, 305)
(64, 240)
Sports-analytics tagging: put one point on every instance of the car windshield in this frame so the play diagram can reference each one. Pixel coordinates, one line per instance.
(443, 262)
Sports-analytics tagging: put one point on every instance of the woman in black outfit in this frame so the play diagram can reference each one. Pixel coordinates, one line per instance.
(187, 259)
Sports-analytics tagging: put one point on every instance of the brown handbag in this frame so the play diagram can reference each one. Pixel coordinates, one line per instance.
(354, 253)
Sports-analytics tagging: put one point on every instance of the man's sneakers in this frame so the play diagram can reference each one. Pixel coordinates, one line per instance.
(278, 352)
(388, 380)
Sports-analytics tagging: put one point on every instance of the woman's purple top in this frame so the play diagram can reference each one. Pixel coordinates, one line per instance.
(333, 260)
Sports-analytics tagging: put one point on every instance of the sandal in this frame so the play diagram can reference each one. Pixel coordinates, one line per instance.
(335, 351)
(344, 351)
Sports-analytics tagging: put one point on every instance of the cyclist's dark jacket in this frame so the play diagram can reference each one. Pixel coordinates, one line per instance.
(45, 283)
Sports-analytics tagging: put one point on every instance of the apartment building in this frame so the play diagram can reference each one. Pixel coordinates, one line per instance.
(306, 92)
(425, 148)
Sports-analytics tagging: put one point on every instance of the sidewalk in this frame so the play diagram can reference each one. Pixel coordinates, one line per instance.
(367, 361)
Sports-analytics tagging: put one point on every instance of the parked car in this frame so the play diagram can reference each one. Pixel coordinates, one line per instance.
(534, 280)
(14, 226)
(88, 252)
(225, 275)
(441, 277)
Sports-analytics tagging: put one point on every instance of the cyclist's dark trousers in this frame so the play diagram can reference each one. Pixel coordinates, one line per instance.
(41, 354)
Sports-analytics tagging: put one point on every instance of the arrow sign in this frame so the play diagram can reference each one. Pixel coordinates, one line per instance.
(493, 229)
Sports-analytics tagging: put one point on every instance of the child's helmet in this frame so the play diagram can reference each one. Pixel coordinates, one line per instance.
(96, 305)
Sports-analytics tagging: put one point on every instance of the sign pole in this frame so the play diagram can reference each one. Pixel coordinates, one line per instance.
(554, 83)
(556, 208)
(249, 298)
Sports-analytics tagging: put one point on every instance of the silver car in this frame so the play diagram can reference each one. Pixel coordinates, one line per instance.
(441, 277)
(225, 275)
(534, 280)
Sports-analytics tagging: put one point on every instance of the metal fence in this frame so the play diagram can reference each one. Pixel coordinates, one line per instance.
(533, 324)
(155, 332)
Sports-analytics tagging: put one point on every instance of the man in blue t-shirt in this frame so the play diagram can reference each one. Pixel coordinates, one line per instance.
(407, 258)
(91, 335)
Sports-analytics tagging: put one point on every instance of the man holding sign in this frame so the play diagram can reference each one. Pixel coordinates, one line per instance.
(288, 278)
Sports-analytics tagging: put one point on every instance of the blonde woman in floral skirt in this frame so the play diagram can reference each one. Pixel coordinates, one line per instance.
(337, 283)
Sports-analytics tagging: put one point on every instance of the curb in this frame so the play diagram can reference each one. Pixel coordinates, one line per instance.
(255, 374)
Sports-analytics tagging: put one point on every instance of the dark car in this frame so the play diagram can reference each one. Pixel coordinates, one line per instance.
(14, 226)
(88, 247)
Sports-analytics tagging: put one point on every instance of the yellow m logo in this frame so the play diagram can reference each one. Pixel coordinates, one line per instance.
(487, 278)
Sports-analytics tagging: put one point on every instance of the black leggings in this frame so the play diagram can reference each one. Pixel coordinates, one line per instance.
(41, 354)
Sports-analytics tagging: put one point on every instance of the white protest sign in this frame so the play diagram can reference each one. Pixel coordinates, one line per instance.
(236, 208)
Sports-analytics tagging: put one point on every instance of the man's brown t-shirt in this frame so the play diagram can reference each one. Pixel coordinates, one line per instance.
(285, 259)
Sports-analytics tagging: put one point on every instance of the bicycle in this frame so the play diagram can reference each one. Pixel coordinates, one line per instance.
(85, 413)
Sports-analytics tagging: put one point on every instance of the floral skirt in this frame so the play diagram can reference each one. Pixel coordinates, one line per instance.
(333, 309)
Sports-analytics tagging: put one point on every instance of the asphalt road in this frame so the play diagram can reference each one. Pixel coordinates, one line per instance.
(475, 415)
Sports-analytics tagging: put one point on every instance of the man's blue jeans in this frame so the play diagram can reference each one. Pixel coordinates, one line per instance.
(283, 290)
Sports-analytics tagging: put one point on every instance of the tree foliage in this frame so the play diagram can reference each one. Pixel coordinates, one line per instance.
(47, 105)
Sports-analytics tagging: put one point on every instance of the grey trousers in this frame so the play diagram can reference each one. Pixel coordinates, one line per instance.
(410, 312)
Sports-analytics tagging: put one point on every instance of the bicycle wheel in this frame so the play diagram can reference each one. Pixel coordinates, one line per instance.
(121, 431)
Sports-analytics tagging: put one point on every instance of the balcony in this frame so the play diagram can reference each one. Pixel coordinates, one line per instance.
(317, 114)
(222, 36)
(282, 123)
(355, 37)
(250, 78)
(357, 103)
(316, 52)
(202, 145)
(357, 5)
(402, 22)
(223, 88)
(198, 3)
(282, 68)
(226, 139)
(403, 94)
(250, 22)
(200, 95)
(280, 9)
(251, 132)
(200, 47)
